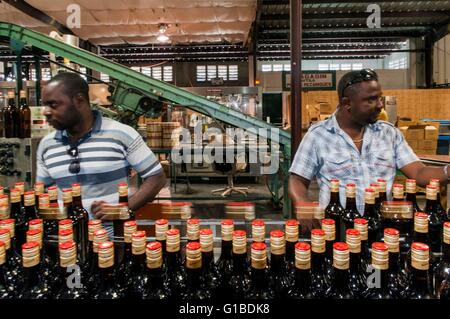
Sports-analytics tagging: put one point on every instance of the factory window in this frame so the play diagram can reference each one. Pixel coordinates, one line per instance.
(136, 68)
(233, 72)
(146, 70)
(277, 67)
(287, 67)
(357, 66)
(334, 66)
(104, 77)
(201, 73)
(46, 74)
(211, 72)
(323, 67)
(168, 73)
(346, 66)
(398, 64)
(266, 67)
(222, 72)
(157, 73)
(32, 75)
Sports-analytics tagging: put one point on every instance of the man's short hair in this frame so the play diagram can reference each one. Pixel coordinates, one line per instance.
(73, 84)
(354, 77)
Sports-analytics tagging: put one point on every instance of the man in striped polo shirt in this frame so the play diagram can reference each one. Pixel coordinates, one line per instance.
(95, 151)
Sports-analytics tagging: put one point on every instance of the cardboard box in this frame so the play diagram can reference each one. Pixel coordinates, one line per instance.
(425, 152)
(324, 116)
(413, 144)
(415, 132)
(431, 132)
(403, 129)
(325, 108)
(427, 144)
(406, 123)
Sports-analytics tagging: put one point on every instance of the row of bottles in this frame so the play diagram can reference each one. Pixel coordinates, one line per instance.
(321, 268)
(15, 119)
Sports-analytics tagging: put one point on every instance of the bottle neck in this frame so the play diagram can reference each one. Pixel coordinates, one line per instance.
(341, 278)
(419, 279)
(123, 199)
(207, 259)
(334, 198)
(30, 212)
(394, 262)
(370, 211)
(277, 262)
(138, 263)
(239, 263)
(107, 277)
(258, 278)
(303, 278)
(31, 275)
(350, 204)
(445, 252)
(317, 261)
(173, 261)
(193, 277)
(290, 251)
(355, 262)
(16, 211)
(382, 197)
(421, 237)
(77, 202)
(155, 276)
(431, 206)
(227, 248)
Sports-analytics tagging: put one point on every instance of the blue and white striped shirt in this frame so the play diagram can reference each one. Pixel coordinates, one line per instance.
(106, 154)
(327, 152)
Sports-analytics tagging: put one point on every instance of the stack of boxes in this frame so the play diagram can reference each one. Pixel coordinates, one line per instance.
(421, 136)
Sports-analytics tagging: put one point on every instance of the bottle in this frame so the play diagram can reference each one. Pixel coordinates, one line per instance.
(411, 190)
(18, 215)
(118, 228)
(10, 270)
(260, 287)
(421, 228)
(258, 231)
(107, 285)
(195, 287)
(334, 209)
(350, 212)
(376, 190)
(46, 264)
(357, 271)
(382, 189)
(21, 187)
(11, 117)
(30, 207)
(441, 211)
(396, 271)
(126, 264)
(362, 225)
(136, 284)
(175, 270)
(99, 236)
(81, 220)
(2, 115)
(156, 284)
(193, 227)
(93, 225)
(53, 194)
(161, 227)
(302, 285)
(65, 235)
(435, 219)
(328, 227)
(34, 286)
(278, 271)
(398, 193)
(224, 263)
(320, 275)
(373, 217)
(4, 288)
(419, 286)
(65, 224)
(442, 270)
(67, 267)
(239, 281)
(14, 260)
(380, 289)
(38, 190)
(24, 116)
(209, 270)
(4, 207)
(340, 284)
(291, 230)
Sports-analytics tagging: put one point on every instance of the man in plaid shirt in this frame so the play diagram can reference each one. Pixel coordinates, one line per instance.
(354, 147)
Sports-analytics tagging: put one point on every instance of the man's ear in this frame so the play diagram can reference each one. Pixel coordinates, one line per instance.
(345, 103)
(79, 100)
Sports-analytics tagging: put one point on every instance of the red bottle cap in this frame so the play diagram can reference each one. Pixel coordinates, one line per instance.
(105, 245)
(380, 246)
(352, 232)
(361, 221)
(317, 232)
(422, 215)
(328, 221)
(161, 221)
(276, 233)
(259, 246)
(94, 222)
(340, 246)
(302, 246)
(30, 245)
(193, 221)
(206, 231)
(65, 232)
(65, 222)
(130, 223)
(138, 234)
(391, 231)
(33, 232)
(67, 245)
(172, 232)
(193, 245)
(227, 222)
(154, 245)
(36, 221)
(239, 233)
(29, 193)
(258, 222)
(420, 246)
(292, 222)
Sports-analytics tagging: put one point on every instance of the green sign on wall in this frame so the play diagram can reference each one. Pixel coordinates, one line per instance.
(312, 80)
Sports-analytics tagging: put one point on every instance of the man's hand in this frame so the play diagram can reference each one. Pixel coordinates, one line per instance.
(96, 209)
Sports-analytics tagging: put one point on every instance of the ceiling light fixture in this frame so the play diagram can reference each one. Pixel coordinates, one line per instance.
(162, 37)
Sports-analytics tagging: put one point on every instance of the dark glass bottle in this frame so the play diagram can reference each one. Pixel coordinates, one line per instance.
(291, 230)
(156, 279)
(81, 220)
(4, 288)
(93, 226)
(239, 281)
(161, 226)
(376, 190)
(334, 209)
(320, 276)
(302, 284)
(396, 270)
(107, 284)
(10, 272)
(382, 190)
(328, 226)
(380, 288)
(176, 274)
(398, 193)
(278, 271)
(13, 259)
(441, 271)
(419, 286)
(4, 206)
(435, 218)
(260, 283)
(99, 236)
(357, 277)
(21, 187)
(125, 265)
(11, 117)
(372, 214)
(136, 284)
(210, 272)
(30, 207)
(47, 266)
(18, 215)
(411, 190)
(34, 287)
(53, 194)
(441, 211)
(340, 283)
(38, 190)
(196, 287)
(258, 231)
(362, 225)
(350, 212)
(24, 116)
(123, 201)
(193, 228)
(70, 286)
(225, 261)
